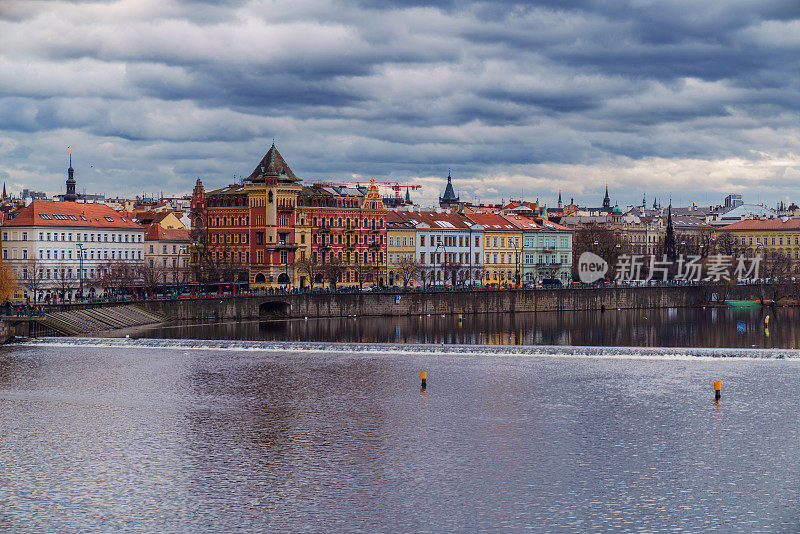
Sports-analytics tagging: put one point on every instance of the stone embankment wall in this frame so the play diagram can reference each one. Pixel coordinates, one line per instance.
(6, 332)
(466, 302)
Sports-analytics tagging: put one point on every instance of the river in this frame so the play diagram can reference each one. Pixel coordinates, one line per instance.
(153, 435)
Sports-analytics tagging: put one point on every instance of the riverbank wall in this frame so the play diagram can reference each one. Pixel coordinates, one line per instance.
(447, 302)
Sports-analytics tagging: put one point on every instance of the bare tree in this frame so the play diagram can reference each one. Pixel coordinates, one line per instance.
(308, 267)
(727, 245)
(776, 267)
(33, 277)
(423, 273)
(202, 251)
(332, 271)
(115, 276)
(407, 269)
(151, 274)
(600, 240)
(231, 270)
(64, 280)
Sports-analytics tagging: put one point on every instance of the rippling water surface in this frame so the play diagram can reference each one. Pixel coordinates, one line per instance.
(682, 327)
(151, 435)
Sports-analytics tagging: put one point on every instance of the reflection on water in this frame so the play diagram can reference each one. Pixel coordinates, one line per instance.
(159, 438)
(689, 327)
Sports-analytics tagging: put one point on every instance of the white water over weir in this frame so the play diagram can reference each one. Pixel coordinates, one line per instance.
(664, 353)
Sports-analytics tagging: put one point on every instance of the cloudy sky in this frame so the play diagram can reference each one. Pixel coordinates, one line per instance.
(689, 98)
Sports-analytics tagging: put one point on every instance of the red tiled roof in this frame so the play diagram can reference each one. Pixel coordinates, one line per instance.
(764, 224)
(554, 226)
(156, 233)
(431, 218)
(492, 222)
(525, 223)
(397, 220)
(70, 214)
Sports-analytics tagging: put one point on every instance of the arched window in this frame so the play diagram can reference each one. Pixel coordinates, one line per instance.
(269, 197)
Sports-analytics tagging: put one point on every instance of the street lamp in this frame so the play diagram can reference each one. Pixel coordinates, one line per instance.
(435, 252)
(80, 268)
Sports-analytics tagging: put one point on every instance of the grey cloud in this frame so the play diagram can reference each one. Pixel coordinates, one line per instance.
(403, 89)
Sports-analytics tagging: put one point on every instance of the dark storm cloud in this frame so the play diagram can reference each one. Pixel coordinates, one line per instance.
(541, 96)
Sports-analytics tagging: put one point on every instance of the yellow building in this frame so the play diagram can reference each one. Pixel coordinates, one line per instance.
(502, 248)
(302, 234)
(401, 250)
(165, 219)
(767, 237)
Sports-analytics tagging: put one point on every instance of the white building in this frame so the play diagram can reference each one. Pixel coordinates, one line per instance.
(43, 242)
(449, 248)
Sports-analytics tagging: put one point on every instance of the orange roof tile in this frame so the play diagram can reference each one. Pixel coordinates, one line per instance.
(70, 214)
(764, 224)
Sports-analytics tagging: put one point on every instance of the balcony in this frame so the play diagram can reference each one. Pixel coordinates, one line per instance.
(285, 208)
(324, 229)
(285, 246)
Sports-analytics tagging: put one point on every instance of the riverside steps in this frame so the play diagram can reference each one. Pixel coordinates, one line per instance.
(316, 305)
(84, 320)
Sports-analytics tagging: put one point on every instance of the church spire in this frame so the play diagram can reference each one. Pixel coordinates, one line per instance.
(449, 198)
(70, 196)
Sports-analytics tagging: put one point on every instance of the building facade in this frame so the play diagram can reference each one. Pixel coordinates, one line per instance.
(768, 237)
(60, 251)
(247, 231)
(502, 249)
(546, 252)
(449, 248)
(166, 256)
(347, 231)
(402, 266)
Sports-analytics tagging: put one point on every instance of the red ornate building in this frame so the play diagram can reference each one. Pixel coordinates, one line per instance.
(347, 227)
(248, 228)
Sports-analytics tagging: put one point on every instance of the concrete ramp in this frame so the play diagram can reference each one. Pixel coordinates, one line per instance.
(88, 320)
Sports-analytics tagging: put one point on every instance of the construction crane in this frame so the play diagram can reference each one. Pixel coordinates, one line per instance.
(396, 187)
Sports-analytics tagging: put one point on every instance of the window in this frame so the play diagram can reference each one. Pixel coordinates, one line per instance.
(109, 219)
(45, 216)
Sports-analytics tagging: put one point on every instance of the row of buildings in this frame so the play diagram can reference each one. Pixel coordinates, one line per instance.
(271, 230)
(59, 250)
(275, 232)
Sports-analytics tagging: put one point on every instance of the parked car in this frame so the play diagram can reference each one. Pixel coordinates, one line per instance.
(551, 283)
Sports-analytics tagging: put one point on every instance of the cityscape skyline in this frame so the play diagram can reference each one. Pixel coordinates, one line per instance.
(520, 100)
